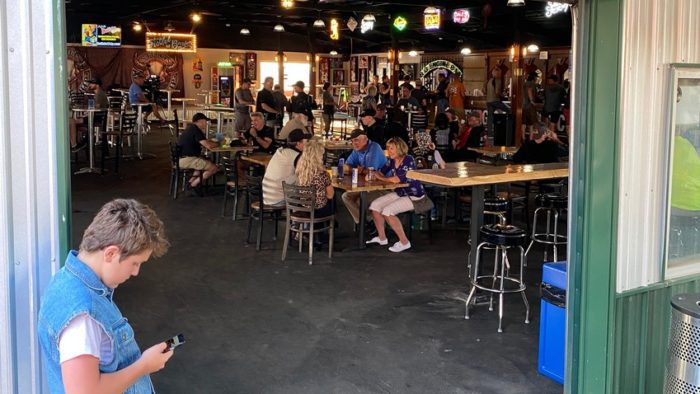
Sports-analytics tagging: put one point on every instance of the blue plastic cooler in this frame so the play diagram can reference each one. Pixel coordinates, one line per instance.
(553, 321)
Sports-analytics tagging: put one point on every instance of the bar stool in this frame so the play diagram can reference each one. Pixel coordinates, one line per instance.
(497, 207)
(553, 204)
(501, 238)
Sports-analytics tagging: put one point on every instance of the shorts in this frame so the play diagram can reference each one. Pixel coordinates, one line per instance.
(529, 115)
(194, 163)
(553, 116)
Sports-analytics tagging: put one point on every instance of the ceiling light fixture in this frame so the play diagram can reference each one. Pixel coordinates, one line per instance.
(334, 53)
(412, 53)
(532, 48)
(319, 23)
(279, 28)
(169, 27)
(287, 4)
(245, 32)
(196, 17)
(516, 3)
(465, 51)
(137, 27)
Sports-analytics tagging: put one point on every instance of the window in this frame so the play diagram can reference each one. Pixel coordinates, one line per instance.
(293, 72)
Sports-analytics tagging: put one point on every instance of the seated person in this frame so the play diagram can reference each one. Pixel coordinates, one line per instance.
(469, 137)
(386, 207)
(281, 168)
(395, 127)
(298, 121)
(542, 148)
(424, 151)
(443, 134)
(136, 96)
(365, 154)
(191, 142)
(406, 101)
(311, 172)
(453, 121)
(373, 130)
(260, 135)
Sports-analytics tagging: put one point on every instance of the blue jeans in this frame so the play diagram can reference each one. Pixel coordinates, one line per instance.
(442, 105)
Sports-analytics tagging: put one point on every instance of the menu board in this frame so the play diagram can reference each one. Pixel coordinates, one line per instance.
(101, 35)
(171, 42)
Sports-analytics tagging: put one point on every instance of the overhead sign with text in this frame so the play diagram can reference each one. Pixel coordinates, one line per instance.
(171, 42)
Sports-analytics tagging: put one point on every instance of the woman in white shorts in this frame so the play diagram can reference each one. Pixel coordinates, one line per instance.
(385, 208)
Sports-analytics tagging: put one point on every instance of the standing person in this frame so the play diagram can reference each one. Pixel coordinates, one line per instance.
(281, 103)
(420, 93)
(494, 97)
(405, 103)
(87, 345)
(191, 142)
(260, 135)
(244, 99)
(529, 111)
(441, 94)
(370, 99)
(265, 103)
(374, 130)
(329, 107)
(554, 98)
(385, 208)
(385, 91)
(301, 102)
(456, 92)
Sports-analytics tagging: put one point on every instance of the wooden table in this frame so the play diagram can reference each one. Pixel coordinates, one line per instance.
(495, 150)
(363, 187)
(478, 176)
(261, 159)
(337, 145)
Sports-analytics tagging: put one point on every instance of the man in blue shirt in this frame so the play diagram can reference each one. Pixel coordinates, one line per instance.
(366, 154)
(137, 96)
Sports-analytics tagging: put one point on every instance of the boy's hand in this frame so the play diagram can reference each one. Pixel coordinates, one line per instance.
(153, 359)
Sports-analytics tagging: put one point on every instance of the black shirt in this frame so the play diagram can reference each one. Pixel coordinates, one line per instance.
(442, 87)
(301, 104)
(395, 129)
(265, 132)
(375, 133)
(419, 94)
(532, 152)
(264, 96)
(189, 141)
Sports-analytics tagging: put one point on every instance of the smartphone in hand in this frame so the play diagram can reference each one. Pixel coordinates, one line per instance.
(174, 342)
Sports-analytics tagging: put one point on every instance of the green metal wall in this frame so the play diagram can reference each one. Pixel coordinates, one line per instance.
(642, 322)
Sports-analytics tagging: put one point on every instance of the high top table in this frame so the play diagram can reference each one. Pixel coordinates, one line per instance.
(478, 176)
(219, 111)
(169, 92)
(140, 131)
(91, 139)
(184, 101)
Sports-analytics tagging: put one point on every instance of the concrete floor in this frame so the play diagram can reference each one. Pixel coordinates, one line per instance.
(365, 322)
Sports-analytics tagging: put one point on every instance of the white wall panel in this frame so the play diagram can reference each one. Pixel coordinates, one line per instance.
(655, 34)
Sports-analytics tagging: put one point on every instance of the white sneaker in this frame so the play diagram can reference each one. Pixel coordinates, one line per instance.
(399, 247)
(376, 240)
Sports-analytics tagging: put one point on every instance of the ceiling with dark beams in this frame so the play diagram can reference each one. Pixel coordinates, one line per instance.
(492, 25)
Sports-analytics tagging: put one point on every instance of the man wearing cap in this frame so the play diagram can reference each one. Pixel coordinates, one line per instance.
(301, 102)
(420, 93)
(244, 99)
(298, 121)
(137, 96)
(281, 168)
(373, 130)
(101, 100)
(380, 115)
(191, 142)
(265, 103)
(365, 154)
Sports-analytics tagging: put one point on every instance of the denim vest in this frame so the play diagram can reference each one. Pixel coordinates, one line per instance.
(75, 290)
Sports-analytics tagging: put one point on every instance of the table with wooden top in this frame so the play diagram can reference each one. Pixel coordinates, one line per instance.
(478, 176)
(337, 145)
(363, 187)
(493, 151)
(261, 159)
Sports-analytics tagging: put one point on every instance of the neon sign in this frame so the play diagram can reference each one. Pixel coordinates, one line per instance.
(431, 18)
(554, 8)
(461, 16)
(400, 23)
(335, 34)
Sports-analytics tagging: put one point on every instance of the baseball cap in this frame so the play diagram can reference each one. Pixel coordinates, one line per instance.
(299, 84)
(95, 81)
(297, 135)
(199, 116)
(368, 112)
(356, 133)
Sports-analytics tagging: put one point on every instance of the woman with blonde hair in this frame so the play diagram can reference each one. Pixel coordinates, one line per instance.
(310, 172)
(385, 208)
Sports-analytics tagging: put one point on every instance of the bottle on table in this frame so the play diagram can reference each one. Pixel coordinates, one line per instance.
(341, 164)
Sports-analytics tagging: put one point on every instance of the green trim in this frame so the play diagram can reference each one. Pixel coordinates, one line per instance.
(659, 286)
(594, 185)
(62, 130)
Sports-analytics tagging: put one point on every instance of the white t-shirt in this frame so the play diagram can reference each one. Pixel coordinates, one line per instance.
(84, 335)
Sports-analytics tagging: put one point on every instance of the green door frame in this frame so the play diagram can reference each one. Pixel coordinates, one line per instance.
(594, 185)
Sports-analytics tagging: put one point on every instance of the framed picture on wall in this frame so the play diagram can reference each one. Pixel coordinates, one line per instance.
(408, 70)
(683, 187)
(339, 77)
(364, 62)
(353, 69)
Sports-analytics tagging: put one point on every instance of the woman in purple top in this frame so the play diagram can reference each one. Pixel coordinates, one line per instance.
(400, 200)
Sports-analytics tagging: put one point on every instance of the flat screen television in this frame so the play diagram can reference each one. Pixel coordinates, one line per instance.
(101, 35)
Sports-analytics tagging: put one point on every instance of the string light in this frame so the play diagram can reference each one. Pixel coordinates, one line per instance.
(287, 4)
(196, 17)
(137, 27)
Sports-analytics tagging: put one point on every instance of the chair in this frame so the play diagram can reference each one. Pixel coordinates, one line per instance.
(233, 184)
(553, 204)
(258, 210)
(177, 173)
(423, 213)
(300, 207)
(127, 127)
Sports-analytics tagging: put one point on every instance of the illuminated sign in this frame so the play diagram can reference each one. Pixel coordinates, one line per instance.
(451, 67)
(367, 23)
(101, 36)
(431, 18)
(352, 24)
(461, 16)
(171, 42)
(554, 8)
(224, 64)
(400, 23)
(335, 34)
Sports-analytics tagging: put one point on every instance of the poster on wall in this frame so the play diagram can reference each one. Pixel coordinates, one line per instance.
(408, 70)
(338, 77)
(364, 62)
(197, 81)
(353, 69)
(237, 58)
(167, 67)
(78, 70)
(101, 35)
(197, 64)
(251, 66)
(324, 69)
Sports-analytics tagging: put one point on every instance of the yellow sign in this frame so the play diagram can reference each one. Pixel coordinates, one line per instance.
(335, 34)
(171, 42)
(400, 23)
(431, 18)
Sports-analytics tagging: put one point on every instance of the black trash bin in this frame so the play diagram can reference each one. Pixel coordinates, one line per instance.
(503, 129)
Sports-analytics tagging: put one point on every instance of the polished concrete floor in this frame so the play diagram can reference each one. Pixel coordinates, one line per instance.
(364, 322)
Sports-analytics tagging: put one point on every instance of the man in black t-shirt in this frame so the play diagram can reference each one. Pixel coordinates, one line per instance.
(265, 103)
(191, 142)
(374, 131)
(301, 102)
(440, 94)
(260, 135)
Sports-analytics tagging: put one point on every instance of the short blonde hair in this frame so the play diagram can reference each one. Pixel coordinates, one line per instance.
(128, 224)
(257, 115)
(372, 91)
(401, 147)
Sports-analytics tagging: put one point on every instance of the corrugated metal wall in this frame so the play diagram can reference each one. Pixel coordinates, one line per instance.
(655, 34)
(33, 150)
